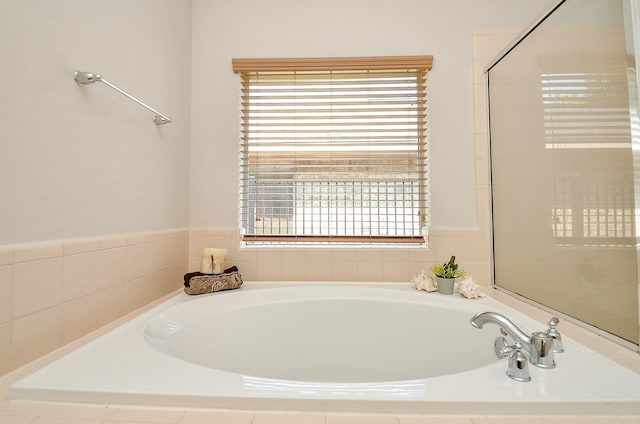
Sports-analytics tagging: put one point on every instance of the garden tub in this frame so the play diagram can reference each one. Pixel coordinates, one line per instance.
(355, 347)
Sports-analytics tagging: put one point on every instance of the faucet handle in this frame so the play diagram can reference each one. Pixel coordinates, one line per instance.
(518, 368)
(541, 354)
(553, 332)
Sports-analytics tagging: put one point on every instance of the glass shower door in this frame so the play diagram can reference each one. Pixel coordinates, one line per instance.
(563, 182)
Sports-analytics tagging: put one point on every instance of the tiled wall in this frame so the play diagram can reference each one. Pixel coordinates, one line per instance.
(471, 247)
(56, 291)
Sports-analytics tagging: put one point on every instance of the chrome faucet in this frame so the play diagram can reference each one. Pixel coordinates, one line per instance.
(539, 346)
(505, 323)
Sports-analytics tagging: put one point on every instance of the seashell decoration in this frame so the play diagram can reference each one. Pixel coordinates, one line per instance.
(425, 282)
(469, 289)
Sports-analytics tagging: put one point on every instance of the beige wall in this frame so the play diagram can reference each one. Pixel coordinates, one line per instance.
(290, 28)
(83, 161)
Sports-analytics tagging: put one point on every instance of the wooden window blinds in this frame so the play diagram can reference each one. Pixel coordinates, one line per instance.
(333, 150)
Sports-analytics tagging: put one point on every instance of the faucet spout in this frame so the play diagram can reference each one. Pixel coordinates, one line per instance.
(482, 318)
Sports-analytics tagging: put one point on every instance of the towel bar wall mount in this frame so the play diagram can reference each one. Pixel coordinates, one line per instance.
(83, 78)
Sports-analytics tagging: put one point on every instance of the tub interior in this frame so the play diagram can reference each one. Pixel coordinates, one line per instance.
(333, 334)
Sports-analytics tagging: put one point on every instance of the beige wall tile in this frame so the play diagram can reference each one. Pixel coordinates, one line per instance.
(5, 348)
(36, 251)
(139, 293)
(243, 255)
(370, 270)
(80, 275)
(422, 255)
(294, 255)
(344, 255)
(139, 238)
(87, 286)
(113, 267)
(196, 244)
(344, 271)
(370, 255)
(475, 249)
(138, 261)
(294, 270)
(37, 285)
(446, 245)
(195, 232)
(158, 284)
(396, 271)
(6, 293)
(248, 270)
(269, 270)
(81, 245)
(159, 256)
(321, 255)
(319, 270)
(178, 251)
(112, 303)
(34, 335)
(416, 268)
(272, 255)
(219, 241)
(175, 277)
(111, 242)
(6, 255)
(79, 317)
(194, 266)
(396, 255)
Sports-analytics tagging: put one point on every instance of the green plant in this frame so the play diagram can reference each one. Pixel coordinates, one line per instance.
(448, 270)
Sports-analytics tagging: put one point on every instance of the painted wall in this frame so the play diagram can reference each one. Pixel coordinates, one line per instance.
(83, 161)
(288, 28)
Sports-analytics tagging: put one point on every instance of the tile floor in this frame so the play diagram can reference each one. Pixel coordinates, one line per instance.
(48, 413)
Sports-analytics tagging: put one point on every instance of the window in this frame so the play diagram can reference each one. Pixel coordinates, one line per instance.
(333, 150)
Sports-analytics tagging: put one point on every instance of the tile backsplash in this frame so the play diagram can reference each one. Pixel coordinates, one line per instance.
(301, 263)
(56, 291)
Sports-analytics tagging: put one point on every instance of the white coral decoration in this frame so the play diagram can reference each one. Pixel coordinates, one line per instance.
(469, 289)
(424, 282)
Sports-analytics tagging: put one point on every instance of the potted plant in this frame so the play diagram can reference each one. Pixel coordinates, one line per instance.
(446, 275)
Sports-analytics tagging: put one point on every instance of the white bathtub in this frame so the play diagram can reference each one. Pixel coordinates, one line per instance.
(380, 347)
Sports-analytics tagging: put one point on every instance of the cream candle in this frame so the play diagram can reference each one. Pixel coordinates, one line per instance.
(212, 261)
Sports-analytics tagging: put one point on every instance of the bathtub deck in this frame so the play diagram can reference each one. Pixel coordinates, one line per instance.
(102, 372)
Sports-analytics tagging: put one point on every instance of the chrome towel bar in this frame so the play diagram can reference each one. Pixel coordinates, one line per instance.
(83, 78)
